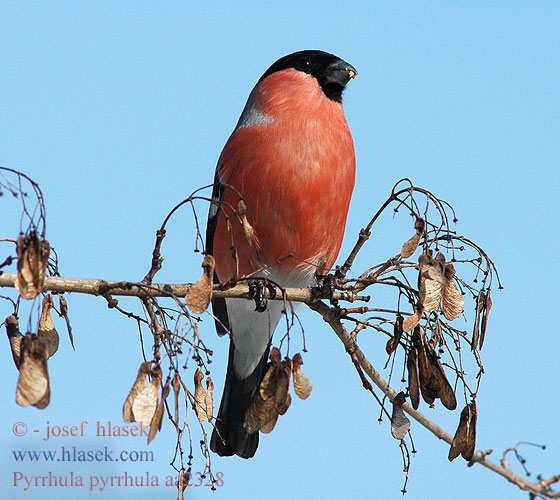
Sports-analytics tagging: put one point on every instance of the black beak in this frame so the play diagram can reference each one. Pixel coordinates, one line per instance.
(340, 72)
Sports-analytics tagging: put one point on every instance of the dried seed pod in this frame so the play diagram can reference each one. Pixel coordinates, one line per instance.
(302, 383)
(209, 399)
(33, 255)
(199, 396)
(429, 393)
(137, 387)
(268, 426)
(145, 404)
(267, 389)
(478, 311)
(436, 271)
(15, 337)
(439, 264)
(453, 301)
(430, 268)
(64, 311)
(433, 381)
(272, 398)
(399, 421)
(393, 342)
(252, 421)
(33, 387)
(199, 294)
(248, 231)
(142, 400)
(470, 447)
(419, 225)
(424, 260)
(155, 424)
(411, 245)
(282, 396)
(47, 331)
(262, 409)
(261, 412)
(464, 442)
(430, 294)
(176, 384)
(485, 312)
(283, 407)
(439, 383)
(276, 382)
(275, 356)
(459, 443)
(413, 383)
(411, 322)
(431, 280)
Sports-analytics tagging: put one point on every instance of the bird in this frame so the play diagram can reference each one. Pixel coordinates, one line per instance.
(291, 160)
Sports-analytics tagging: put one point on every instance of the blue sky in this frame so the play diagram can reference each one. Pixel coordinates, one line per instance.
(120, 111)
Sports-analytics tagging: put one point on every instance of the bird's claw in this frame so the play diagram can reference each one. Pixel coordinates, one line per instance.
(257, 292)
(325, 283)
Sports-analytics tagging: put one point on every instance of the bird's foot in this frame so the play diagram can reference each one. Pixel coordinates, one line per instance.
(257, 292)
(325, 283)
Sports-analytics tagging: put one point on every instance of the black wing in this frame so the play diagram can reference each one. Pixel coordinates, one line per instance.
(218, 305)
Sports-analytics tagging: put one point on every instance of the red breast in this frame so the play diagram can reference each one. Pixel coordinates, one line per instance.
(296, 174)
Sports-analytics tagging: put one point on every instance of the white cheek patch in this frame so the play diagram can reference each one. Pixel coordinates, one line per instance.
(252, 115)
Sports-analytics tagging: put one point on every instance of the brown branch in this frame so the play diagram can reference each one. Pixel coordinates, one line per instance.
(128, 288)
(332, 317)
(7, 262)
(365, 233)
(157, 260)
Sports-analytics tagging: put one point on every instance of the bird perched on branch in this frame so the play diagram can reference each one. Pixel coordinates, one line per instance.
(291, 160)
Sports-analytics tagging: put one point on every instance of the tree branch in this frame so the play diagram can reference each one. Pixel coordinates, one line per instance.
(332, 317)
(435, 236)
(135, 289)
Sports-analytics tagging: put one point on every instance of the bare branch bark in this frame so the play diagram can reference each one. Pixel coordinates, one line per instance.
(139, 289)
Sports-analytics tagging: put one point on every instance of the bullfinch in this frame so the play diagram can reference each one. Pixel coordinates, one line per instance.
(291, 159)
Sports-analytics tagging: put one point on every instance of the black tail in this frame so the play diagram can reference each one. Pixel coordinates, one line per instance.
(229, 436)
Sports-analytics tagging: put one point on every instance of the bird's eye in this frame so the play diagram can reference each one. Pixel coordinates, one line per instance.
(303, 64)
